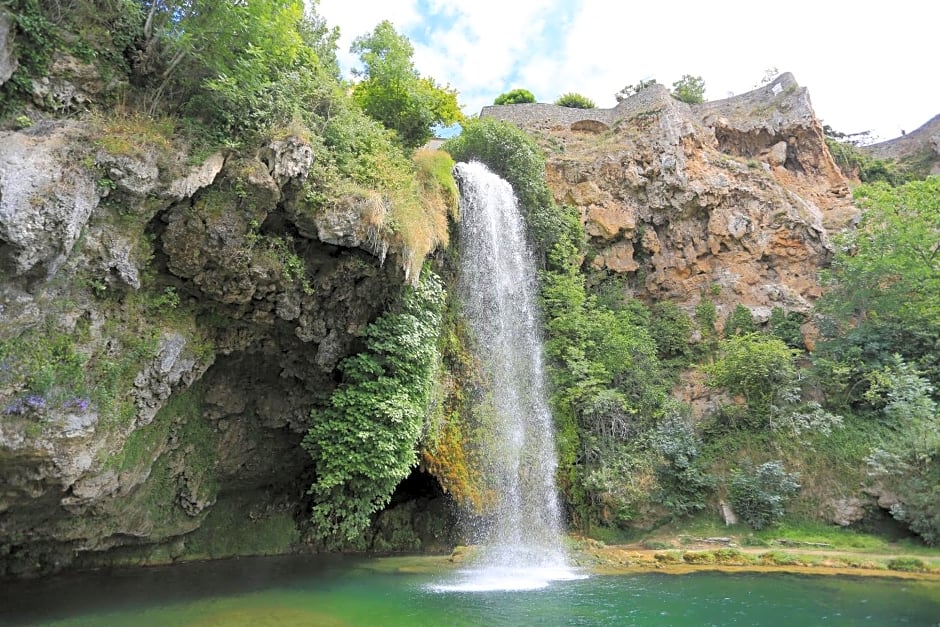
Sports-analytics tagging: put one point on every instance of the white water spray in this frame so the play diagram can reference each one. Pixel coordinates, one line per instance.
(523, 539)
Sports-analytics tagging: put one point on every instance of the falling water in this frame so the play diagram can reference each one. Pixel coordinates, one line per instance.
(523, 538)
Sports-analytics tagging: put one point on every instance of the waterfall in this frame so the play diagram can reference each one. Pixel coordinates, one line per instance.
(523, 536)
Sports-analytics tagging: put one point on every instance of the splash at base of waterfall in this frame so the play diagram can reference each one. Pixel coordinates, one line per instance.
(508, 578)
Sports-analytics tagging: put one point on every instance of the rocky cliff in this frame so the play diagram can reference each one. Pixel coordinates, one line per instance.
(919, 149)
(731, 200)
(167, 322)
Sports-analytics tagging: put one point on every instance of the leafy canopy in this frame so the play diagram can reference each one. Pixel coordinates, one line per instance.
(392, 92)
(885, 278)
(758, 367)
(515, 96)
(689, 89)
(575, 101)
(244, 66)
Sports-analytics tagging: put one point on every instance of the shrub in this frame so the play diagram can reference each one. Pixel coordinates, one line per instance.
(684, 484)
(907, 564)
(689, 89)
(363, 442)
(739, 322)
(759, 495)
(759, 368)
(786, 326)
(575, 101)
(516, 96)
(512, 154)
(672, 330)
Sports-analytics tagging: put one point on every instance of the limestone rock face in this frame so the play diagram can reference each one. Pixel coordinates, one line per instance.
(69, 84)
(204, 310)
(45, 199)
(732, 200)
(8, 62)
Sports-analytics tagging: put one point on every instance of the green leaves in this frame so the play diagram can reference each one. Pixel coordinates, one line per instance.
(758, 367)
(515, 96)
(689, 89)
(575, 101)
(759, 495)
(363, 443)
(885, 278)
(393, 92)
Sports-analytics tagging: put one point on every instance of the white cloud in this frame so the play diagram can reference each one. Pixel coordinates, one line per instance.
(865, 68)
(360, 18)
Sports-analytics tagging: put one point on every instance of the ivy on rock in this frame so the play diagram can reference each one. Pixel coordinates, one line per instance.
(363, 442)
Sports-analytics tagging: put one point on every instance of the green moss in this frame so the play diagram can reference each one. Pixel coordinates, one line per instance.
(230, 529)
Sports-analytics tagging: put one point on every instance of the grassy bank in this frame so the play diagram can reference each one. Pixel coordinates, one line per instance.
(807, 548)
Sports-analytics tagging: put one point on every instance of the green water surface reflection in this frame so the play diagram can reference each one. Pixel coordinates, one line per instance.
(308, 591)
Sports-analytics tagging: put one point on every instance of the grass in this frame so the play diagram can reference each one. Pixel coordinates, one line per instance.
(135, 135)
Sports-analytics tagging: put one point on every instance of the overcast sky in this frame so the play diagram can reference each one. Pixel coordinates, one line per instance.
(865, 69)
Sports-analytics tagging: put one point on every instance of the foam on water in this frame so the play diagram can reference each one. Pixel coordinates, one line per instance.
(508, 578)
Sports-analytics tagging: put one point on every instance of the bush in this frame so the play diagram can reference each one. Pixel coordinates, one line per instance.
(759, 368)
(739, 322)
(363, 442)
(672, 330)
(786, 326)
(759, 495)
(575, 101)
(689, 89)
(516, 96)
(684, 484)
(512, 154)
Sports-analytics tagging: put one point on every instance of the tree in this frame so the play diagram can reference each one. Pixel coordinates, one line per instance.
(575, 101)
(516, 96)
(246, 63)
(630, 90)
(761, 369)
(689, 89)
(885, 279)
(908, 463)
(392, 92)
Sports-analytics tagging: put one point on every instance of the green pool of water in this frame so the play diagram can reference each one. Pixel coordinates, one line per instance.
(314, 591)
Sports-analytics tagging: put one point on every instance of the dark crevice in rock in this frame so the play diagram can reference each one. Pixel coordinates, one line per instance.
(420, 516)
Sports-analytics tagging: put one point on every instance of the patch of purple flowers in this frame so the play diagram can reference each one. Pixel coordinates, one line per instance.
(22, 405)
(77, 402)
